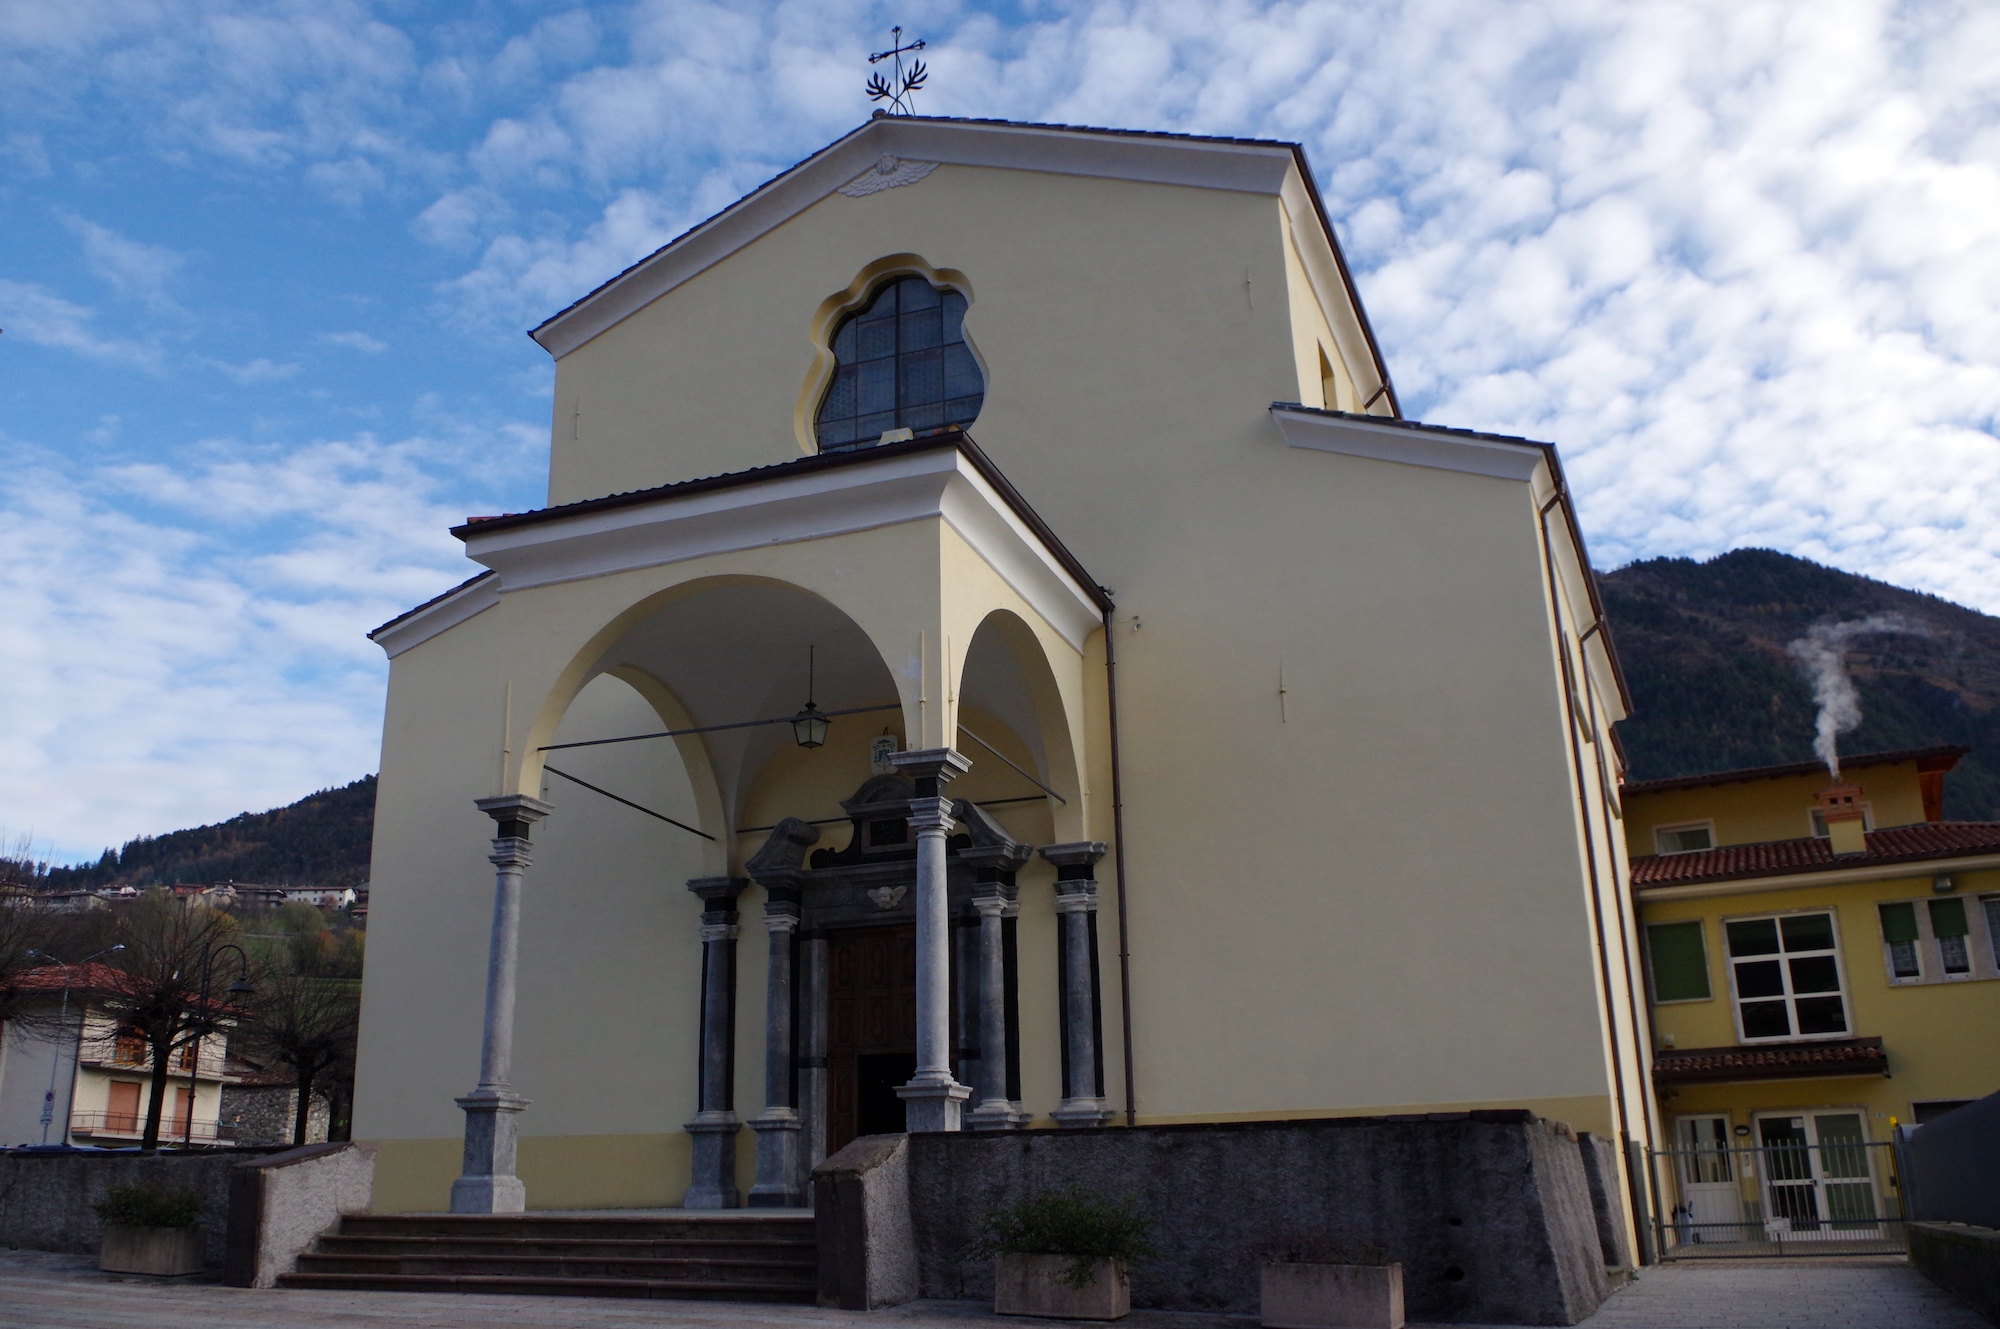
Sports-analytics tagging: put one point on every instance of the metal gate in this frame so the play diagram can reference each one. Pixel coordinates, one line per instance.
(1802, 1184)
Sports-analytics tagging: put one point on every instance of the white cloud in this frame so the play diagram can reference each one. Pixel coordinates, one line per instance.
(355, 341)
(187, 640)
(259, 370)
(36, 314)
(132, 267)
(1738, 257)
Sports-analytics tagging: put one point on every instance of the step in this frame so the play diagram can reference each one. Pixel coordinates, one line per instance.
(583, 1226)
(801, 1273)
(689, 1248)
(552, 1287)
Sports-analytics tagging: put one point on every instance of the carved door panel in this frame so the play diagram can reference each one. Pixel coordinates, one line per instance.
(871, 1030)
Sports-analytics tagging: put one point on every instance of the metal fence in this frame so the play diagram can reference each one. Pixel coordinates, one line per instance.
(1789, 1198)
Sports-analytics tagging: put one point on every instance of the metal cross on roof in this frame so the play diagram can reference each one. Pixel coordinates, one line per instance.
(903, 84)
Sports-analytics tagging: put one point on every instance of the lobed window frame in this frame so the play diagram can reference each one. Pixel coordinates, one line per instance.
(907, 366)
(1789, 993)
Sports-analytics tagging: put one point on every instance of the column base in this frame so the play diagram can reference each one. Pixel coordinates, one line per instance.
(714, 1170)
(997, 1114)
(1083, 1112)
(779, 1131)
(488, 1184)
(488, 1195)
(932, 1104)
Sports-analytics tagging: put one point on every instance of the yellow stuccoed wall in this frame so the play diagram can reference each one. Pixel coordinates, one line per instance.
(1369, 898)
(1754, 811)
(1933, 1032)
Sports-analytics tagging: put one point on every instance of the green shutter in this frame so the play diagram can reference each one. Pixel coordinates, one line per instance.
(1948, 918)
(1680, 961)
(1899, 922)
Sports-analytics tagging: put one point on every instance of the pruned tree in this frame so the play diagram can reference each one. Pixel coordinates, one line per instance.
(159, 997)
(24, 932)
(309, 1024)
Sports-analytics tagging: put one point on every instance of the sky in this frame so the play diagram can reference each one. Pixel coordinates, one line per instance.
(265, 270)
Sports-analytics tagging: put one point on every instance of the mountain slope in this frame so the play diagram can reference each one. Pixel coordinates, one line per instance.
(1703, 647)
(321, 840)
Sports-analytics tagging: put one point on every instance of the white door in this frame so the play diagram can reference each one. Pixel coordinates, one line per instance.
(1710, 1210)
(1819, 1182)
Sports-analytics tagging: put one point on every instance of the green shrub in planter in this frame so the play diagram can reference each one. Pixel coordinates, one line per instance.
(1071, 1222)
(147, 1205)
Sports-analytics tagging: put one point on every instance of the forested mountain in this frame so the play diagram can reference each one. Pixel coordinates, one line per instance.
(321, 840)
(1703, 646)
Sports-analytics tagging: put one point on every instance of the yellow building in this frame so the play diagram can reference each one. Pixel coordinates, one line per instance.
(1185, 757)
(1822, 962)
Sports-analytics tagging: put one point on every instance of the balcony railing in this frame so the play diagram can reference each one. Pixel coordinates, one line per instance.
(132, 1125)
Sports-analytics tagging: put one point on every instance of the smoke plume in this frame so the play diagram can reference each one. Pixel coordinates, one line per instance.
(1822, 653)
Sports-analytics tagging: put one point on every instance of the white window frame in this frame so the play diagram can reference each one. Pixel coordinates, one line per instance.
(1816, 821)
(1790, 999)
(1984, 962)
(1989, 918)
(1704, 825)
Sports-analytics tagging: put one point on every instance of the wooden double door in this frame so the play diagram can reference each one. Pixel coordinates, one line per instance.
(871, 1030)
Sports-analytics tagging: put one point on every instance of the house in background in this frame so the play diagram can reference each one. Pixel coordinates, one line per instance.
(1823, 959)
(85, 1072)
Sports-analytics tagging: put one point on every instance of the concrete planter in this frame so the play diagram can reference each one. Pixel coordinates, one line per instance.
(1333, 1296)
(1032, 1285)
(150, 1250)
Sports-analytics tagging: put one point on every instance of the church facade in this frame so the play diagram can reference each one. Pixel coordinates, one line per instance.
(993, 658)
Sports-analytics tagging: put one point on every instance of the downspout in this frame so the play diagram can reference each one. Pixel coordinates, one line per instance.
(1118, 864)
(1590, 861)
(1648, 1105)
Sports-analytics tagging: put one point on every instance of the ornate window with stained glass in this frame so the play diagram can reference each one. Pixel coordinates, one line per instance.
(900, 363)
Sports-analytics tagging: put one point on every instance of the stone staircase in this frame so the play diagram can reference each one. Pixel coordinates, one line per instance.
(727, 1255)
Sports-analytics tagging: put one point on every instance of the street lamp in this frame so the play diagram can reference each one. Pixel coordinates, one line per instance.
(76, 1052)
(240, 988)
(809, 726)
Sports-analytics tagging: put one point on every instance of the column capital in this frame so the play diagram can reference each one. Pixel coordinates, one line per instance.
(1077, 902)
(1074, 860)
(994, 905)
(718, 932)
(514, 813)
(718, 892)
(931, 814)
(930, 768)
(781, 917)
(512, 851)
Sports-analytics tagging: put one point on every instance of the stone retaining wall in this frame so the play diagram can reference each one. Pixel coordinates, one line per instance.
(1489, 1213)
(1962, 1260)
(46, 1199)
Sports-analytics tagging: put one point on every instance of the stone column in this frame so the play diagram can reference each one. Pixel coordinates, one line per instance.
(715, 1125)
(1083, 1053)
(932, 1098)
(812, 1055)
(995, 1111)
(777, 1126)
(487, 1184)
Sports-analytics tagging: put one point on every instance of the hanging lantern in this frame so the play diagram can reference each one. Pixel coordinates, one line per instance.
(809, 726)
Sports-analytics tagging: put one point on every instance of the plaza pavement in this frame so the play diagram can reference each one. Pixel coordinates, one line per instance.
(42, 1291)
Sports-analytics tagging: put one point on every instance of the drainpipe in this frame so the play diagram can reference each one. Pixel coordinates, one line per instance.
(1118, 862)
(1624, 1122)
